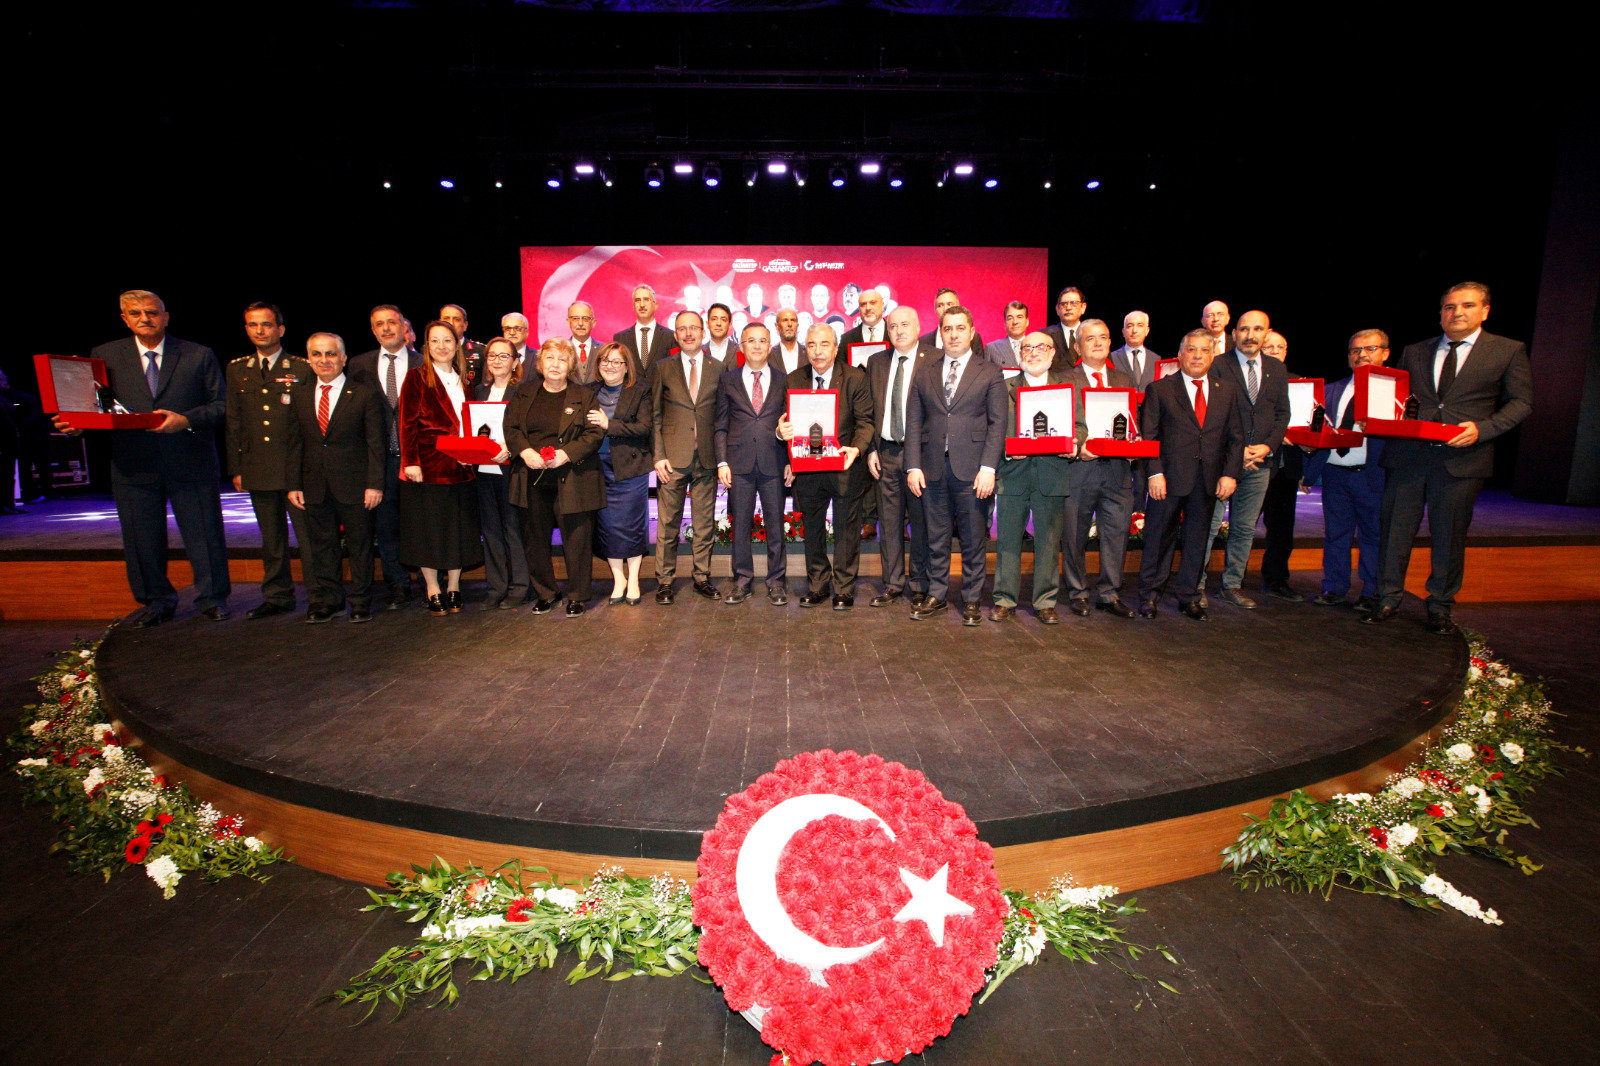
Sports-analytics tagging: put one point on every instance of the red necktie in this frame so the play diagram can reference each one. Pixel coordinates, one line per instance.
(583, 352)
(1099, 381)
(1199, 401)
(322, 410)
(755, 392)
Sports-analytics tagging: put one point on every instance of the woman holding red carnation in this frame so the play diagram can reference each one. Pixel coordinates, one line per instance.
(438, 502)
(560, 482)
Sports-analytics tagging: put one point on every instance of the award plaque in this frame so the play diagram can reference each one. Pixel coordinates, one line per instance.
(1044, 421)
(859, 352)
(1105, 412)
(75, 388)
(485, 422)
(1308, 419)
(1385, 407)
(816, 446)
(1165, 368)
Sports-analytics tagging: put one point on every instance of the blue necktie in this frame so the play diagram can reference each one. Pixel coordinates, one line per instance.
(152, 374)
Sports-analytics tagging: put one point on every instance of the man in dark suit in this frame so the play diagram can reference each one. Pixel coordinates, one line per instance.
(873, 329)
(816, 490)
(1138, 363)
(1352, 486)
(456, 316)
(753, 462)
(336, 446)
(890, 374)
(684, 398)
(1097, 486)
(1283, 491)
(258, 451)
(385, 368)
(1035, 485)
(720, 343)
(580, 334)
(956, 432)
(788, 348)
(1063, 333)
(943, 301)
(154, 372)
(646, 340)
(1261, 386)
(1214, 319)
(1195, 416)
(1466, 377)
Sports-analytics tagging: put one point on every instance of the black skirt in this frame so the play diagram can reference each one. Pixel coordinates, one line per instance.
(439, 526)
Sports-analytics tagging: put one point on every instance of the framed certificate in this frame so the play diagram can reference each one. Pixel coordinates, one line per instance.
(814, 414)
(1044, 421)
(75, 388)
(1380, 400)
(861, 351)
(1101, 410)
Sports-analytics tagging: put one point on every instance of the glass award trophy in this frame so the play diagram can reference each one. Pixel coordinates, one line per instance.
(815, 439)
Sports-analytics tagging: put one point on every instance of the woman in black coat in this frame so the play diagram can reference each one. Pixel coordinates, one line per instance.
(623, 411)
(558, 480)
(505, 564)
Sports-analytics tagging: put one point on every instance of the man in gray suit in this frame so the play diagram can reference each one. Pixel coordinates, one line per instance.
(1006, 353)
(684, 397)
(1261, 386)
(1466, 377)
(646, 340)
(1138, 364)
(890, 374)
(1098, 489)
(956, 428)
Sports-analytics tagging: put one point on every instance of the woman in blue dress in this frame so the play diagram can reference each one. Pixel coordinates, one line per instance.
(623, 410)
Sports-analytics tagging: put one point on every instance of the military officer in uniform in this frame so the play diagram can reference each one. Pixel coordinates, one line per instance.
(258, 388)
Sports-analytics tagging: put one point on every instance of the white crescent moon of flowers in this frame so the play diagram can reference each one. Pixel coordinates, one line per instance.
(562, 287)
(756, 878)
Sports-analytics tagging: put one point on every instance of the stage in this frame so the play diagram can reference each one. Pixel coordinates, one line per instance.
(1126, 751)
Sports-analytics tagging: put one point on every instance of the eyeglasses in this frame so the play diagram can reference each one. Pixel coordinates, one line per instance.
(580, 318)
(1038, 347)
(1369, 349)
(613, 364)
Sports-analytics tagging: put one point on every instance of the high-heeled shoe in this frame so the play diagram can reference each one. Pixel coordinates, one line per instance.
(453, 601)
(436, 605)
(633, 601)
(613, 601)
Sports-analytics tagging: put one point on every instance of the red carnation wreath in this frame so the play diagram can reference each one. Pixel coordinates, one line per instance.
(847, 908)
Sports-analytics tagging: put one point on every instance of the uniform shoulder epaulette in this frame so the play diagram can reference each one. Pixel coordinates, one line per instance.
(240, 359)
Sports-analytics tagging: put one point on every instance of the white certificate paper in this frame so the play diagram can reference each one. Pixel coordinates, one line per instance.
(1302, 401)
(74, 383)
(1100, 410)
(1056, 405)
(493, 415)
(813, 408)
(861, 351)
(1380, 399)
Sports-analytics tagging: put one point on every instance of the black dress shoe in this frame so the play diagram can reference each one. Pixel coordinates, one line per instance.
(1280, 590)
(739, 594)
(971, 616)
(1148, 609)
(1328, 599)
(664, 595)
(397, 600)
(1441, 623)
(1194, 610)
(1379, 616)
(510, 603)
(885, 598)
(707, 589)
(1115, 607)
(777, 597)
(545, 606)
(574, 608)
(843, 603)
(452, 601)
(318, 615)
(811, 599)
(1078, 606)
(359, 615)
(917, 599)
(216, 614)
(266, 610)
(1235, 597)
(927, 609)
(149, 619)
(1047, 616)
(436, 605)
(1000, 612)
(1366, 605)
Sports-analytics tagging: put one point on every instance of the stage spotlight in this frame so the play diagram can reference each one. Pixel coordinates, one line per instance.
(605, 175)
(941, 174)
(446, 183)
(897, 177)
(683, 166)
(1094, 183)
(963, 170)
(1048, 172)
(583, 168)
(869, 167)
(836, 176)
(499, 184)
(801, 172)
(711, 174)
(387, 185)
(653, 177)
(750, 172)
(1152, 185)
(990, 179)
(553, 177)
(777, 166)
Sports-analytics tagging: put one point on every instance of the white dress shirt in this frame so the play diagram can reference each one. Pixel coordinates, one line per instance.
(1136, 364)
(335, 387)
(159, 351)
(750, 376)
(452, 385)
(720, 352)
(683, 360)
(1357, 456)
(1104, 370)
(1244, 369)
(826, 379)
(872, 334)
(1461, 354)
(497, 394)
(1205, 387)
(638, 339)
(790, 357)
(402, 364)
(580, 349)
(905, 387)
(1032, 382)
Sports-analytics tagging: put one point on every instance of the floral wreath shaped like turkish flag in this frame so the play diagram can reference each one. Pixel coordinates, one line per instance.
(847, 908)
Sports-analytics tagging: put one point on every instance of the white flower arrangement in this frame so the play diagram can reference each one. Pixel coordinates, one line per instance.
(1442, 890)
(1092, 896)
(38, 728)
(1402, 835)
(30, 763)
(1027, 948)
(1479, 797)
(1512, 751)
(164, 872)
(92, 780)
(1460, 752)
(1355, 799)
(1409, 786)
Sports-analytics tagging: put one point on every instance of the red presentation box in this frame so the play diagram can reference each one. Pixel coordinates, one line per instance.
(1100, 406)
(1305, 396)
(859, 352)
(1055, 403)
(815, 407)
(1165, 368)
(1380, 401)
(67, 385)
(476, 450)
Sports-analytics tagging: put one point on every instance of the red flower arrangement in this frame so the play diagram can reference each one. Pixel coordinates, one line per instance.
(843, 882)
(229, 825)
(518, 911)
(1379, 837)
(137, 849)
(1434, 777)
(145, 835)
(1435, 811)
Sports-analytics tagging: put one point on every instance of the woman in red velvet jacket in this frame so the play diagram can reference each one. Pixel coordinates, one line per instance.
(438, 502)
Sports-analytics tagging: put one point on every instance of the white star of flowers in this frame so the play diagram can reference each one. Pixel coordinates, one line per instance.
(930, 903)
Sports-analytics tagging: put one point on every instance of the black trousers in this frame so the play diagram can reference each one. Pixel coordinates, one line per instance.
(577, 545)
(1277, 511)
(387, 520)
(1161, 538)
(954, 511)
(327, 589)
(896, 509)
(813, 493)
(197, 507)
(277, 579)
(1449, 501)
(741, 511)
